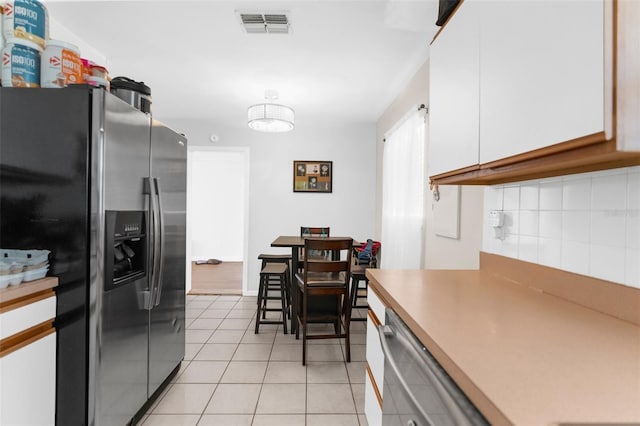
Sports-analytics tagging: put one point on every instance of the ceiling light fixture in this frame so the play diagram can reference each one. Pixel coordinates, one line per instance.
(270, 117)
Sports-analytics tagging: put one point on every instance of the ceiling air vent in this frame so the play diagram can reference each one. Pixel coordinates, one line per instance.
(263, 23)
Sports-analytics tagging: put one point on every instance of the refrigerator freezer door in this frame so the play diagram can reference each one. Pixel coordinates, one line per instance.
(118, 351)
(126, 155)
(167, 323)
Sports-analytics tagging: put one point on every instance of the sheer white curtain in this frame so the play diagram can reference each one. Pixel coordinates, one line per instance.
(402, 194)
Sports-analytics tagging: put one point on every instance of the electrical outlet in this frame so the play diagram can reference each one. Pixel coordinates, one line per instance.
(496, 218)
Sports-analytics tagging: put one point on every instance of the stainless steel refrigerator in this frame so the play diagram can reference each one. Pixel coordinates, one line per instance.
(103, 186)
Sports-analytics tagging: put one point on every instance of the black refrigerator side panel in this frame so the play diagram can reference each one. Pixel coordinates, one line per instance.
(44, 188)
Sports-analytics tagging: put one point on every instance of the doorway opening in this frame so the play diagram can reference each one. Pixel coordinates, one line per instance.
(217, 220)
(216, 278)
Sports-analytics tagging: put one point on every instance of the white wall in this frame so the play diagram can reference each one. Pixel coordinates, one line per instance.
(274, 209)
(60, 32)
(462, 253)
(439, 252)
(586, 223)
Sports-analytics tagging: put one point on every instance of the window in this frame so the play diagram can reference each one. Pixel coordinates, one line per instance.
(403, 193)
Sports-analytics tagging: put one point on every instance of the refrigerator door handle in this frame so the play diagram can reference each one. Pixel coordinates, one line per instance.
(161, 249)
(154, 242)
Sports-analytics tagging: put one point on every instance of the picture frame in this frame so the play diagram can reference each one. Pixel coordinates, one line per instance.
(313, 176)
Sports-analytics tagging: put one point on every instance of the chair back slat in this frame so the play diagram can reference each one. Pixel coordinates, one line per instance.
(327, 266)
(334, 243)
(337, 246)
(315, 231)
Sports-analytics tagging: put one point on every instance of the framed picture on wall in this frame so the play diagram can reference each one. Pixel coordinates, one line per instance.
(312, 176)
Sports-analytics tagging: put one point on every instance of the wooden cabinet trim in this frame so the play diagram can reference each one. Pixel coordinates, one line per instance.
(25, 300)
(548, 150)
(588, 158)
(26, 337)
(376, 390)
(443, 176)
(374, 318)
(610, 67)
(453, 12)
(12, 293)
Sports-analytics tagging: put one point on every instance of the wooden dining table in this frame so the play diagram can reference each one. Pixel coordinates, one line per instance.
(295, 243)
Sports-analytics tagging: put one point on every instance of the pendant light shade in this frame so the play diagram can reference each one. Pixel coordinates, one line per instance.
(270, 118)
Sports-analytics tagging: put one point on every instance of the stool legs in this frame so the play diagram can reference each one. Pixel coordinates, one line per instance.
(355, 287)
(277, 285)
(261, 296)
(278, 259)
(267, 280)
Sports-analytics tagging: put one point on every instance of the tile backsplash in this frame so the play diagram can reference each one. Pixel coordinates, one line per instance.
(586, 223)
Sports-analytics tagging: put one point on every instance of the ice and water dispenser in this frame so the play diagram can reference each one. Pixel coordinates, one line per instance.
(126, 248)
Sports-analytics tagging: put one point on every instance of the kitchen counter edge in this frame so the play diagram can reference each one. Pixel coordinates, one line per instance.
(401, 290)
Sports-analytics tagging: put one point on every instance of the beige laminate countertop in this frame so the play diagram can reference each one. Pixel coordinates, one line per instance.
(522, 356)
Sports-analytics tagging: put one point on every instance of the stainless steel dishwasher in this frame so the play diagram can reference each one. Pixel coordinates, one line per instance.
(417, 391)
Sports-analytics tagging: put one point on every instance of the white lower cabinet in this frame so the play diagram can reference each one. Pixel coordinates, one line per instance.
(372, 408)
(28, 384)
(17, 320)
(375, 361)
(375, 357)
(28, 355)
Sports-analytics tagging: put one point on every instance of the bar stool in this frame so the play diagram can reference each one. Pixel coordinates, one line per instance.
(270, 274)
(274, 258)
(357, 275)
(274, 283)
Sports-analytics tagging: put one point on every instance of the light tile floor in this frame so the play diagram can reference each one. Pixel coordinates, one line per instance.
(233, 377)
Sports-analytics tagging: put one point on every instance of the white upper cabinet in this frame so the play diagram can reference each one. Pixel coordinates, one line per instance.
(627, 81)
(523, 89)
(454, 93)
(542, 82)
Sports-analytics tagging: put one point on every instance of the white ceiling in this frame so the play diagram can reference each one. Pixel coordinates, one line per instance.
(343, 60)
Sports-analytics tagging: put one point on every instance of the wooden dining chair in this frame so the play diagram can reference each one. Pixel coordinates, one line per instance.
(312, 231)
(323, 291)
